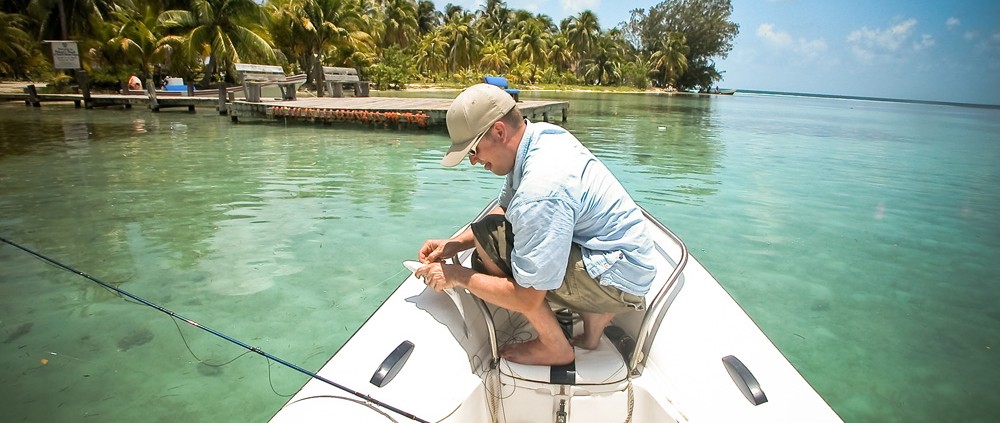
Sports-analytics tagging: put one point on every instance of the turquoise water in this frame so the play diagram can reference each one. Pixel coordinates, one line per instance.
(861, 237)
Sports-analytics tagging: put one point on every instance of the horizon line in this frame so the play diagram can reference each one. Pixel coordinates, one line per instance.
(867, 98)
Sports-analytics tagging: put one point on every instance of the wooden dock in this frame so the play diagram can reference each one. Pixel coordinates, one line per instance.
(112, 100)
(388, 111)
(376, 111)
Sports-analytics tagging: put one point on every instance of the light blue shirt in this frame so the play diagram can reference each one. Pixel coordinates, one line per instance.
(557, 194)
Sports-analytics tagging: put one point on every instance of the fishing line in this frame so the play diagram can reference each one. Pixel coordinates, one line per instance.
(215, 332)
(198, 359)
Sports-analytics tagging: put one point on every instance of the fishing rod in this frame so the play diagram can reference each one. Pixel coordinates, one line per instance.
(215, 332)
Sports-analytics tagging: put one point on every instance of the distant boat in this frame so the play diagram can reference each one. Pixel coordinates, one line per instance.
(692, 356)
(717, 91)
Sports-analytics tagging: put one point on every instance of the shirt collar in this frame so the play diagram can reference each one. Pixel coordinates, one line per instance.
(522, 152)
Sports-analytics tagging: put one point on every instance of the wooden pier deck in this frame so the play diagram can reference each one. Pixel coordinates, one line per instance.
(420, 112)
(112, 100)
(385, 111)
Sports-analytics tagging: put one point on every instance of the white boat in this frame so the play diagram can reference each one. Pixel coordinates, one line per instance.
(693, 356)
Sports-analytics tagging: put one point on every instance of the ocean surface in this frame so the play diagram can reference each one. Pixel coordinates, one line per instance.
(863, 237)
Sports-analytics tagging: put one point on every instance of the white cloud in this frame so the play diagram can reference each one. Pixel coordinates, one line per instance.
(574, 7)
(887, 44)
(924, 42)
(802, 48)
(767, 32)
(952, 22)
(890, 39)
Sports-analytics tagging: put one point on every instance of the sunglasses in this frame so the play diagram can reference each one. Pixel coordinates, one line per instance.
(475, 143)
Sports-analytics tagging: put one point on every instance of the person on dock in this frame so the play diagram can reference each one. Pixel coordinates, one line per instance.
(134, 84)
(565, 230)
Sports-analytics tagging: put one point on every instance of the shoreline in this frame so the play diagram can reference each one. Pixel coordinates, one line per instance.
(17, 87)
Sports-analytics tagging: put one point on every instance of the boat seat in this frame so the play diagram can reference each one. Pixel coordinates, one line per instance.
(599, 366)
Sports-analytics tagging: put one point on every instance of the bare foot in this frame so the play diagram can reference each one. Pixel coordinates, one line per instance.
(582, 342)
(536, 353)
(593, 328)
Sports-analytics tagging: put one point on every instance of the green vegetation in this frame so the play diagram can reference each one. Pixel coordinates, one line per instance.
(392, 42)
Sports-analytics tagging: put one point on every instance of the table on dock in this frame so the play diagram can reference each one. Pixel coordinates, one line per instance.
(421, 112)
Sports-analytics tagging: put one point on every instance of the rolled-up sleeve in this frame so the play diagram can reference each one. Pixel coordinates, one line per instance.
(543, 235)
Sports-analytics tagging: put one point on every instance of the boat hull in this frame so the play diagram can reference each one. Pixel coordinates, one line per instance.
(450, 374)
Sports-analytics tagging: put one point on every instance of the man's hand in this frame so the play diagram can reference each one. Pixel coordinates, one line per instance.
(435, 275)
(435, 250)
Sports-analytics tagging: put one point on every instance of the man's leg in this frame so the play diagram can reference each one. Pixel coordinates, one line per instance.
(551, 347)
(593, 328)
(489, 266)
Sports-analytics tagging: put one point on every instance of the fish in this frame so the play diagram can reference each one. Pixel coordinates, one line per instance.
(135, 339)
(412, 266)
(19, 332)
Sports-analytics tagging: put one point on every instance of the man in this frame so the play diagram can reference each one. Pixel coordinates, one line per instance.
(565, 231)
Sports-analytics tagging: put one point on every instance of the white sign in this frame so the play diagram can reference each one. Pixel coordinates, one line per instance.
(65, 55)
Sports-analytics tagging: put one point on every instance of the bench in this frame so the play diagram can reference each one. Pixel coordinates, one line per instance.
(502, 83)
(257, 76)
(337, 78)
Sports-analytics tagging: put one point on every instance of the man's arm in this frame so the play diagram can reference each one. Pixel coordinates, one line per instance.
(496, 290)
(435, 250)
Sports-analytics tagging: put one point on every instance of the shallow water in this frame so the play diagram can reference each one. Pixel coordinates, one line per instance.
(861, 237)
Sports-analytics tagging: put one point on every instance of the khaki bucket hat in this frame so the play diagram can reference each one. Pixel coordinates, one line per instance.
(473, 112)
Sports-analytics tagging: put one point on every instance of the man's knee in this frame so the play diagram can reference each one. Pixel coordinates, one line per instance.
(486, 264)
(494, 242)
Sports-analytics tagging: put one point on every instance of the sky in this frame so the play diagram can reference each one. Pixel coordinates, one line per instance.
(904, 49)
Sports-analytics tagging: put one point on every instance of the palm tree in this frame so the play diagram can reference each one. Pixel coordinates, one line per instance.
(604, 64)
(319, 31)
(224, 32)
(495, 59)
(582, 31)
(464, 42)
(288, 32)
(428, 18)
(14, 44)
(135, 35)
(432, 54)
(560, 54)
(670, 60)
(530, 43)
(400, 23)
(494, 21)
(62, 19)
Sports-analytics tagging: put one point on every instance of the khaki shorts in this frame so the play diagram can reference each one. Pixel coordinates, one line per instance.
(578, 292)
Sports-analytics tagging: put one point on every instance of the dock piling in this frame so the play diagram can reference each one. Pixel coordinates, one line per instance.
(32, 96)
(84, 80)
(222, 99)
